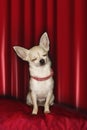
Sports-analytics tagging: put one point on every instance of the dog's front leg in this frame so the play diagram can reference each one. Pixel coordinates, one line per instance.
(47, 103)
(34, 100)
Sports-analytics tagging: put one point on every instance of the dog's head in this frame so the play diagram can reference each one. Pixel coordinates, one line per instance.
(37, 55)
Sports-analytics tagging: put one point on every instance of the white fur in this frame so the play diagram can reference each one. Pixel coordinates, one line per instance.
(41, 92)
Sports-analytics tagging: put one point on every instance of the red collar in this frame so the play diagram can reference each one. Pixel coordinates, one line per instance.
(44, 78)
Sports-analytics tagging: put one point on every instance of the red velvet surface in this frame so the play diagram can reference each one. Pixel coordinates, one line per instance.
(15, 115)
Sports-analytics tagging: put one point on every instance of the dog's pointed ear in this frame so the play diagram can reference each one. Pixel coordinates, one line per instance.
(44, 41)
(21, 52)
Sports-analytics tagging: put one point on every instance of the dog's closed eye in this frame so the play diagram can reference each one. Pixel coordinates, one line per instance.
(34, 59)
(45, 55)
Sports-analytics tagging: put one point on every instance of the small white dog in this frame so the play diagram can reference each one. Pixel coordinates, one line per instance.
(41, 81)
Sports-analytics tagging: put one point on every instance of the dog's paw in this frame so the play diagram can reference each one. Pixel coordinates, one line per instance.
(46, 112)
(34, 112)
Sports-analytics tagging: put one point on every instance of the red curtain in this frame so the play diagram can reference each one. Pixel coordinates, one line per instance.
(22, 22)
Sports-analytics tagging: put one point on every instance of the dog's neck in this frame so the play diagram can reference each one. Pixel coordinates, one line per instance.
(42, 71)
(43, 78)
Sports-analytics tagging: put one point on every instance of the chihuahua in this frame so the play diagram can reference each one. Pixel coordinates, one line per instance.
(41, 75)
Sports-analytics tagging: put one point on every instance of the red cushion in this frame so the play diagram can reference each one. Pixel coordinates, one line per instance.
(15, 115)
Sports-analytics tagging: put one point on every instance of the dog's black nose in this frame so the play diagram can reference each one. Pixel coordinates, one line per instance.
(42, 62)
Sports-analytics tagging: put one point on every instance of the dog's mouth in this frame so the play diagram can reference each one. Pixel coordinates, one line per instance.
(42, 62)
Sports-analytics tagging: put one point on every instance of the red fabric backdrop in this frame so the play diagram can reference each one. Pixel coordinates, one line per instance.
(22, 22)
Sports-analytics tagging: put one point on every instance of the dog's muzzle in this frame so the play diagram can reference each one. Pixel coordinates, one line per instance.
(42, 62)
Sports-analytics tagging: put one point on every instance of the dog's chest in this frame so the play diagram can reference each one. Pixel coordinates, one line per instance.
(41, 88)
